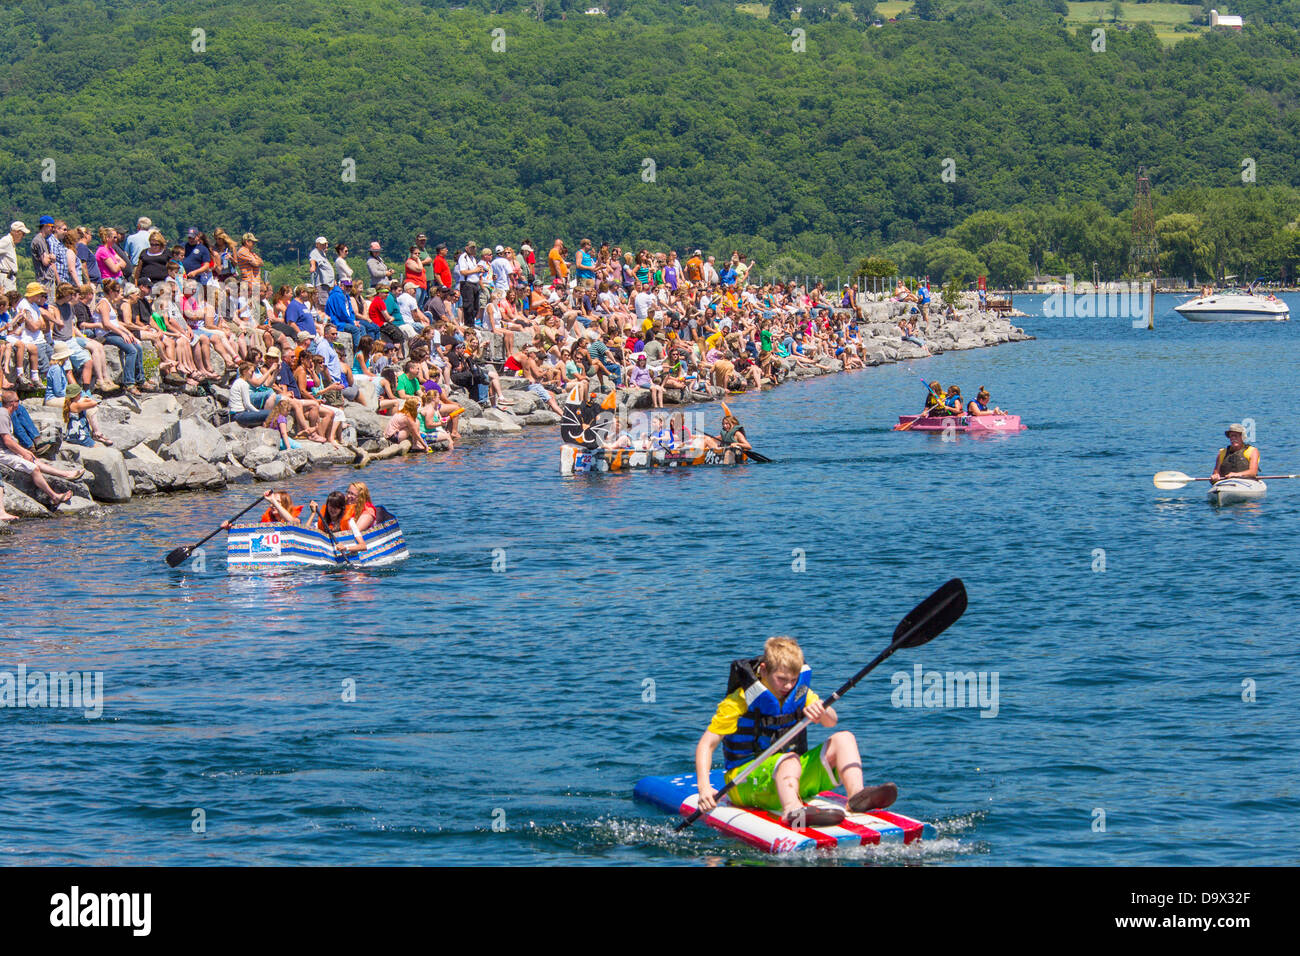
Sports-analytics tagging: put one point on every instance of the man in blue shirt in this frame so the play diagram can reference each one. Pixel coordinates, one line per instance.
(338, 307)
(298, 314)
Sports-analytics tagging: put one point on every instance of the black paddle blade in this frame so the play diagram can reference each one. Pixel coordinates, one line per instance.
(755, 456)
(177, 556)
(932, 616)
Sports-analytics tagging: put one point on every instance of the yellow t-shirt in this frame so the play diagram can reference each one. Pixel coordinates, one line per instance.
(733, 707)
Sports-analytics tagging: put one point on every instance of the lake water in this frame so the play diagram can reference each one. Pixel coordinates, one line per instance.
(502, 716)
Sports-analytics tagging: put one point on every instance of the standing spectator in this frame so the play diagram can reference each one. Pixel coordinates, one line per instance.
(421, 275)
(322, 271)
(471, 275)
(710, 272)
(249, 265)
(138, 241)
(110, 263)
(695, 267)
(196, 262)
(585, 265)
(42, 258)
(9, 256)
(555, 263)
(375, 265)
(342, 270)
(413, 272)
(441, 268)
(529, 265)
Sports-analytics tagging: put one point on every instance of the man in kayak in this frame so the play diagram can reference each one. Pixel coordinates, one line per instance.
(765, 698)
(1238, 460)
(731, 441)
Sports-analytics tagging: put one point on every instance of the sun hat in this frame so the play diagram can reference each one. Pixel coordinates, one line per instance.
(273, 352)
(34, 288)
(62, 352)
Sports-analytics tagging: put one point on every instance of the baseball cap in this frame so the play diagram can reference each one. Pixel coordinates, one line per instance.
(322, 241)
(192, 232)
(47, 220)
(1236, 427)
(345, 282)
(499, 249)
(18, 226)
(249, 237)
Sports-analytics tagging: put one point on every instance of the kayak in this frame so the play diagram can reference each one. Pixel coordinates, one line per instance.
(974, 424)
(1232, 491)
(273, 546)
(766, 831)
(576, 460)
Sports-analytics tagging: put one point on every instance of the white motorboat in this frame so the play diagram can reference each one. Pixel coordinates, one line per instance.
(1232, 491)
(1234, 306)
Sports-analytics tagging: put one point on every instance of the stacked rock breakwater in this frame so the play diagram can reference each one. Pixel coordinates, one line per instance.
(166, 442)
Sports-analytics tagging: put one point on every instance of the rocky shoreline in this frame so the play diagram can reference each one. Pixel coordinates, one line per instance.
(166, 442)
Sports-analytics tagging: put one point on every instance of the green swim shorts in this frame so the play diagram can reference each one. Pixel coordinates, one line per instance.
(759, 788)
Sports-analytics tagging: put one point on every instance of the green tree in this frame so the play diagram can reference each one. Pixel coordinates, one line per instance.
(1008, 264)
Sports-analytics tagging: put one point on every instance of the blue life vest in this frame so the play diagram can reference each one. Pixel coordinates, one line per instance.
(766, 718)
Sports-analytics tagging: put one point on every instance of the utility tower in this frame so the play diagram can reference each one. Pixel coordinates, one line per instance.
(1144, 250)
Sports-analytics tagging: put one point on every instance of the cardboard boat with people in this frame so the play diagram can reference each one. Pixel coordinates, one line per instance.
(585, 429)
(280, 545)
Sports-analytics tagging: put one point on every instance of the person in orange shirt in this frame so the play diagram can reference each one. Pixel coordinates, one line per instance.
(359, 516)
(282, 509)
(249, 264)
(695, 267)
(555, 262)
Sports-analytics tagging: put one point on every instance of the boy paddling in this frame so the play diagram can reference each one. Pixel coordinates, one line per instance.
(765, 698)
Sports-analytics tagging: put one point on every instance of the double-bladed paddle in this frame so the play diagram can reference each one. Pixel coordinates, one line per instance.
(180, 554)
(923, 623)
(1172, 480)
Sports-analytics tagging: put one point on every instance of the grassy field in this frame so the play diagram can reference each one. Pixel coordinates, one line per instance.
(1163, 17)
(884, 11)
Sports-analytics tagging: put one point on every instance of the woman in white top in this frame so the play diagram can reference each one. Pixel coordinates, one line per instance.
(341, 268)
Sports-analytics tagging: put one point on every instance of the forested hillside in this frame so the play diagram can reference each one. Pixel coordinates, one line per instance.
(670, 123)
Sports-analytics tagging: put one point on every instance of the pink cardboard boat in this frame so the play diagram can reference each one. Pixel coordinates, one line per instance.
(975, 424)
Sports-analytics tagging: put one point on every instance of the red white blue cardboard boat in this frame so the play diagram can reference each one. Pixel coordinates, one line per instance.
(273, 546)
(767, 832)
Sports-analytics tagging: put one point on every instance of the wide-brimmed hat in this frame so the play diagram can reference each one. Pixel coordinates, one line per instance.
(273, 352)
(34, 288)
(62, 351)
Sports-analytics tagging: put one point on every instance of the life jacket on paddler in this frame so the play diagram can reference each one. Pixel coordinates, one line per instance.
(1234, 461)
(765, 718)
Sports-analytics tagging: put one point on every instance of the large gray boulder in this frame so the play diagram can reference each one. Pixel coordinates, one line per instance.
(296, 458)
(368, 424)
(23, 505)
(151, 478)
(259, 455)
(273, 471)
(109, 478)
(524, 402)
(194, 440)
(319, 454)
(138, 430)
(486, 424)
(512, 383)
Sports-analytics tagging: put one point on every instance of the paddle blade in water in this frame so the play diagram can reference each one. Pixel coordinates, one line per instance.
(1169, 480)
(932, 616)
(177, 556)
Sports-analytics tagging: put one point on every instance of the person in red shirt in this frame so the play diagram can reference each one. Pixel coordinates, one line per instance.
(441, 268)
